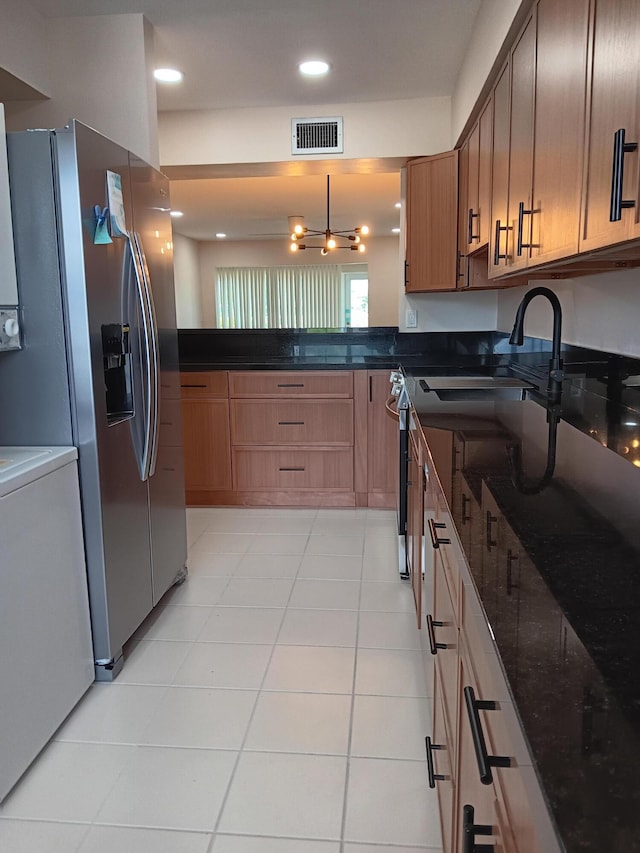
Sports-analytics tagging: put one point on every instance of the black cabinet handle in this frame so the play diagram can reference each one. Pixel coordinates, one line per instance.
(431, 624)
(471, 829)
(290, 469)
(491, 542)
(485, 761)
(290, 384)
(521, 215)
(465, 502)
(511, 558)
(436, 540)
(497, 257)
(433, 777)
(290, 423)
(620, 148)
(470, 235)
(460, 273)
(187, 385)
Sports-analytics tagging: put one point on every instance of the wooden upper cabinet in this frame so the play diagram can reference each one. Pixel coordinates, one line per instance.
(612, 106)
(523, 64)
(482, 222)
(464, 202)
(561, 71)
(499, 236)
(432, 214)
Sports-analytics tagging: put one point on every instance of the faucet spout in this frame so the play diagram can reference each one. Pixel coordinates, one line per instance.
(556, 375)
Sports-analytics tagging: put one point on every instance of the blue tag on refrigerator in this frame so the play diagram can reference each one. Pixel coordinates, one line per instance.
(117, 222)
(101, 232)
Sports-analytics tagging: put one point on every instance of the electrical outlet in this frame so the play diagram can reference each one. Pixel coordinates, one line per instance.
(296, 350)
(411, 318)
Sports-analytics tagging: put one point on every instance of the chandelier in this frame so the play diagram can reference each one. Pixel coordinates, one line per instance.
(331, 240)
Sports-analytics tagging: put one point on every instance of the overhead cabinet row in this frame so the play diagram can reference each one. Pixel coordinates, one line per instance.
(548, 178)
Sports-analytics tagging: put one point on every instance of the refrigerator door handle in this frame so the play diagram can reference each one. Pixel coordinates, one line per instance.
(145, 462)
(155, 360)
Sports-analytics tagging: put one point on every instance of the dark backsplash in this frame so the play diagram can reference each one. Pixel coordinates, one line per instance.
(210, 347)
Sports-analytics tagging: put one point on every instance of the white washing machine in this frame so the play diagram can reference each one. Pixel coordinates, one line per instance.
(46, 655)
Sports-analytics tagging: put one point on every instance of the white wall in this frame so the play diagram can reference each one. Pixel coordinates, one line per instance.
(186, 275)
(599, 311)
(490, 30)
(24, 44)
(377, 129)
(100, 71)
(195, 281)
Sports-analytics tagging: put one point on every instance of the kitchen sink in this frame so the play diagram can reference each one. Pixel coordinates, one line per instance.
(452, 388)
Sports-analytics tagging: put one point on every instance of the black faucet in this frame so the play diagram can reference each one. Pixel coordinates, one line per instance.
(556, 374)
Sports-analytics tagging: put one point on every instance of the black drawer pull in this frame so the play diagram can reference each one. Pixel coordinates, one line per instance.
(433, 777)
(432, 635)
(620, 148)
(465, 502)
(497, 256)
(471, 829)
(185, 385)
(436, 540)
(291, 469)
(485, 761)
(290, 384)
(521, 214)
(470, 235)
(290, 423)
(491, 542)
(511, 558)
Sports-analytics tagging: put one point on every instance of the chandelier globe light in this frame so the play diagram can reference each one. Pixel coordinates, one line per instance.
(330, 240)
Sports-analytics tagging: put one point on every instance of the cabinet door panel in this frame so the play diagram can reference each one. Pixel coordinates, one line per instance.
(444, 757)
(382, 439)
(485, 144)
(523, 61)
(561, 69)
(500, 238)
(432, 215)
(615, 82)
(207, 460)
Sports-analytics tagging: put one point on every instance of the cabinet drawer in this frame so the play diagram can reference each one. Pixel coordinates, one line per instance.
(282, 422)
(279, 383)
(258, 469)
(444, 758)
(204, 383)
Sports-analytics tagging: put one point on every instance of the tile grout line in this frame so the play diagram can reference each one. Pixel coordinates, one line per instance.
(251, 717)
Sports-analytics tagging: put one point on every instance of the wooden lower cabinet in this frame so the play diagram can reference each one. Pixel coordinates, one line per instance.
(470, 693)
(282, 438)
(207, 461)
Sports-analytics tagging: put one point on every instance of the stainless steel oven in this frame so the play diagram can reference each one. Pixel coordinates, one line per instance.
(399, 407)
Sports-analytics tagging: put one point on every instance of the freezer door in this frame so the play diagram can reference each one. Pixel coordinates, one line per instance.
(105, 328)
(152, 224)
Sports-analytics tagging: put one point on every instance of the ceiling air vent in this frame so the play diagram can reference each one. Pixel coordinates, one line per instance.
(316, 135)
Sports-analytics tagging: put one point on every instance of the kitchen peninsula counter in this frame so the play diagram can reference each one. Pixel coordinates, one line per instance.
(555, 559)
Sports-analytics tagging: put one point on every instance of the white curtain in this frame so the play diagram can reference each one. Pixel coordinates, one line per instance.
(280, 297)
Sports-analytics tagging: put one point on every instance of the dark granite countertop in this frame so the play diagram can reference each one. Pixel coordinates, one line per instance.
(561, 590)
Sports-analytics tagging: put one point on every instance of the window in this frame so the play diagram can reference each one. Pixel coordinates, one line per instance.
(314, 297)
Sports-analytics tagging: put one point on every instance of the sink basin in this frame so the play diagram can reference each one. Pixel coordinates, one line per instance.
(451, 388)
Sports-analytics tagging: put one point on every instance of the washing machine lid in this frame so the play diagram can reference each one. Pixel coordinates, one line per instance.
(22, 465)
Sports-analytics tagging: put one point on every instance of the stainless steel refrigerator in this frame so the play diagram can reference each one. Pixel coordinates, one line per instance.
(99, 364)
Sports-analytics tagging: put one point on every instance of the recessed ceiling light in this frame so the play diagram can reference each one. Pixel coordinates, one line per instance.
(177, 213)
(398, 204)
(168, 75)
(395, 230)
(221, 235)
(313, 68)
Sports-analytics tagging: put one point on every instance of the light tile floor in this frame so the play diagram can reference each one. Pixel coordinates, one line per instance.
(274, 703)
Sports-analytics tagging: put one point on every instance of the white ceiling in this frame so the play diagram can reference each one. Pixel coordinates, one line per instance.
(243, 53)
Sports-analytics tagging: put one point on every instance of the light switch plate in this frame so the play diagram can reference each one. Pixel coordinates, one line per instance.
(411, 318)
